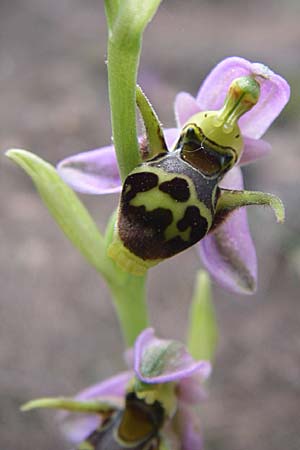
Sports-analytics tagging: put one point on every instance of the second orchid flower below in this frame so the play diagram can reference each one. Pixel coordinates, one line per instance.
(193, 191)
(149, 407)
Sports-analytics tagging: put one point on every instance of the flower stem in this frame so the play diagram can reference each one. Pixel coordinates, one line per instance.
(126, 22)
(128, 294)
(122, 71)
(130, 304)
(111, 12)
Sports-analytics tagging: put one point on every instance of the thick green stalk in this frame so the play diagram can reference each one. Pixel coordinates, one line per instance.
(130, 304)
(122, 71)
(111, 12)
(128, 295)
(126, 20)
(124, 47)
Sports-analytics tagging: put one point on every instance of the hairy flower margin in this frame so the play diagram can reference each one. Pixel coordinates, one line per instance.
(228, 252)
(163, 370)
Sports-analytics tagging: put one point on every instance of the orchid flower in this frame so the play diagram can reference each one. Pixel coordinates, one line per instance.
(227, 251)
(152, 405)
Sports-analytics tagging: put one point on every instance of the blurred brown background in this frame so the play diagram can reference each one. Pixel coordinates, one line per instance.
(58, 332)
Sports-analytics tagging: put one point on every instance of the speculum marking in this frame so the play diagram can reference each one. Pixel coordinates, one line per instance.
(177, 188)
(139, 182)
(193, 219)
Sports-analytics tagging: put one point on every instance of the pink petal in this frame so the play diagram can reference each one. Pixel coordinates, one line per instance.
(92, 172)
(191, 390)
(114, 386)
(185, 107)
(190, 435)
(96, 171)
(274, 95)
(171, 136)
(228, 253)
(77, 426)
(254, 149)
(162, 361)
(233, 180)
(213, 91)
(182, 432)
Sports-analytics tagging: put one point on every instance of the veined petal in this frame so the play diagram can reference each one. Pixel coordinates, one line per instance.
(92, 172)
(274, 94)
(228, 252)
(162, 361)
(185, 107)
(77, 427)
(254, 149)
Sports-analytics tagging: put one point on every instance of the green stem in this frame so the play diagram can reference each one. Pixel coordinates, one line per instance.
(124, 48)
(127, 20)
(123, 56)
(130, 304)
(122, 67)
(129, 296)
(111, 12)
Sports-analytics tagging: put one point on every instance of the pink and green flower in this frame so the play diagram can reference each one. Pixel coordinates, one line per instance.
(163, 374)
(227, 252)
